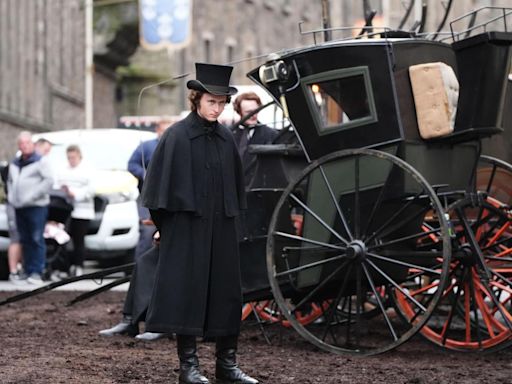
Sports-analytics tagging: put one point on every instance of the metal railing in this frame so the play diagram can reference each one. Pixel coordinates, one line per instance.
(496, 14)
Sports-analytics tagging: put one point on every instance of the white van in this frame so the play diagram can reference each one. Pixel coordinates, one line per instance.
(114, 232)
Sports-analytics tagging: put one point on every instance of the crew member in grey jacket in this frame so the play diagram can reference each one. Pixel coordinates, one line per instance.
(29, 183)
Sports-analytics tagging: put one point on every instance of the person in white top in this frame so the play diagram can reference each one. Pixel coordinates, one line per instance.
(76, 181)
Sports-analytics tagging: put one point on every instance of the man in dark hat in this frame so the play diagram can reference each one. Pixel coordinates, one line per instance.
(194, 189)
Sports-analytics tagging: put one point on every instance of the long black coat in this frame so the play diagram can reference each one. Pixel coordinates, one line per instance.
(194, 189)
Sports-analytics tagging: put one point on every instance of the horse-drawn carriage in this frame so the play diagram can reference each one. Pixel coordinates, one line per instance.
(385, 219)
(387, 215)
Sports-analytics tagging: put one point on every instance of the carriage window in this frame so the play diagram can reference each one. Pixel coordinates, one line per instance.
(340, 99)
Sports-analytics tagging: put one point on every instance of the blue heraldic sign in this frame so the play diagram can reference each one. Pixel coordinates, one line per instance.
(165, 23)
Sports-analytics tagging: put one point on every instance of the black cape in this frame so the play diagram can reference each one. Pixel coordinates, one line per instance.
(194, 189)
(176, 175)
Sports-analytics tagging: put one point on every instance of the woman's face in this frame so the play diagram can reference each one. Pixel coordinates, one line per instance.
(211, 106)
(74, 158)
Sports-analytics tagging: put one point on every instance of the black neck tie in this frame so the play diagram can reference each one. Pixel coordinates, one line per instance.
(242, 146)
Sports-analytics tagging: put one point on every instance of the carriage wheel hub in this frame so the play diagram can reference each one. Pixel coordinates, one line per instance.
(356, 250)
(465, 255)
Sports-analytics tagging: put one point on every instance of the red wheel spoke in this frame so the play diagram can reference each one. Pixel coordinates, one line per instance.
(504, 253)
(487, 316)
(501, 308)
(424, 289)
(467, 311)
(498, 234)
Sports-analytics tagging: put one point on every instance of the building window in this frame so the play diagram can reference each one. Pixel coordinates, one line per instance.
(269, 4)
(230, 54)
(230, 50)
(207, 51)
(249, 59)
(287, 8)
(306, 12)
(207, 46)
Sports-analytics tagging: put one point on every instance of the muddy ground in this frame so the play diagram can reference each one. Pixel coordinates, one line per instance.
(43, 341)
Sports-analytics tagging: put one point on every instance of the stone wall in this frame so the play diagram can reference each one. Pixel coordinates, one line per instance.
(41, 67)
(104, 95)
(9, 133)
(244, 32)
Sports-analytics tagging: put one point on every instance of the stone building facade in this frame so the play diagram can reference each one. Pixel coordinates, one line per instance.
(42, 71)
(42, 45)
(244, 32)
(41, 67)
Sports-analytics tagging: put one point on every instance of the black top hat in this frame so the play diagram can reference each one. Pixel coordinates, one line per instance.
(212, 78)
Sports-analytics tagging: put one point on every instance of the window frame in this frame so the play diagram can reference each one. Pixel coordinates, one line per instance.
(339, 74)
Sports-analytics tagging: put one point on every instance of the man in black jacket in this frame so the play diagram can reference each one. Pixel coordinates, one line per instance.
(194, 189)
(251, 131)
(146, 253)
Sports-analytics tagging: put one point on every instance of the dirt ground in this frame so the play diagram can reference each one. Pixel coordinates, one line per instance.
(45, 341)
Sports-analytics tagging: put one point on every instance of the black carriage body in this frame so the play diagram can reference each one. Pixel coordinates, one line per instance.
(500, 146)
(383, 64)
(276, 166)
(379, 112)
(388, 203)
(388, 120)
(483, 66)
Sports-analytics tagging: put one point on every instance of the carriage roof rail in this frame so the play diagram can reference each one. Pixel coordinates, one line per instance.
(496, 14)
(367, 32)
(437, 36)
(427, 35)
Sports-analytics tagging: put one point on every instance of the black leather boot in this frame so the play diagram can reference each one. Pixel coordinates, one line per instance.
(125, 327)
(226, 368)
(189, 363)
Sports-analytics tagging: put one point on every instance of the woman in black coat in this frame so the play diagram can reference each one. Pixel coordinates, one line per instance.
(194, 189)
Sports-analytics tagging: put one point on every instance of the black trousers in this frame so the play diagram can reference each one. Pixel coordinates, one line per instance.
(77, 231)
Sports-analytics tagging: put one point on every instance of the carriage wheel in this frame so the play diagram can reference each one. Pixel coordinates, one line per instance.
(268, 311)
(361, 234)
(246, 310)
(475, 312)
(494, 178)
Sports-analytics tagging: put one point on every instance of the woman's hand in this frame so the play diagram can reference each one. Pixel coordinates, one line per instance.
(67, 191)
